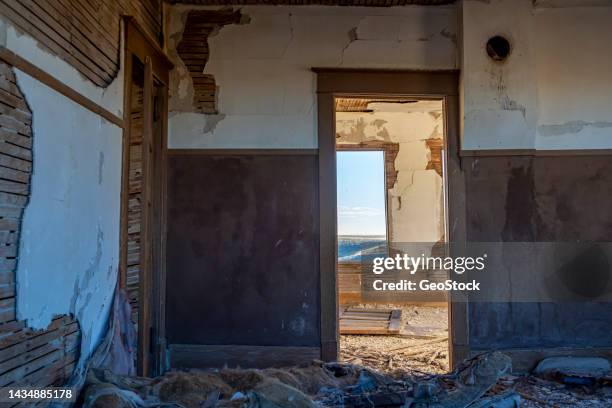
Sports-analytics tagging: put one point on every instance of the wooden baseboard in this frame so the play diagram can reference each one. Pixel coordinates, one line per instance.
(525, 360)
(216, 356)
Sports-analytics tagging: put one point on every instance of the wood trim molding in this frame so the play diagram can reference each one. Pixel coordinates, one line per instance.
(202, 356)
(534, 152)
(332, 83)
(142, 46)
(243, 152)
(399, 83)
(35, 72)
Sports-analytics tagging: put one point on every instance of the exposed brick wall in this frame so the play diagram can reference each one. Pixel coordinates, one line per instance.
(27, 357)
(193, 50)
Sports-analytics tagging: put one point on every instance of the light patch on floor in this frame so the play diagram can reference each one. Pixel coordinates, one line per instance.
(421, 346)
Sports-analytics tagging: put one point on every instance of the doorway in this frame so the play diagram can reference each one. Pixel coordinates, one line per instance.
(143, 191)
(403, 88)
(390, 199)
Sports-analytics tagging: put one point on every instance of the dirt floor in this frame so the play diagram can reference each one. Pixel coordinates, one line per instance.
(421, 346)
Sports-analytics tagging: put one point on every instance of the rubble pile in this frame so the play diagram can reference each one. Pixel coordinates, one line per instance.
(482, 382)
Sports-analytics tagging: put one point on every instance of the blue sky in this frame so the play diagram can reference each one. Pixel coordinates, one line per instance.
(361, 193)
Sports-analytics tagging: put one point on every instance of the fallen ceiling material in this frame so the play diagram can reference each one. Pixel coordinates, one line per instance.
(319, 384)
(484, 381)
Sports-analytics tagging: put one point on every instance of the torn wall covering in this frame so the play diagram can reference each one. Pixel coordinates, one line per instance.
(28, 357)
(69, 244)
(553, 91)
(266, 89)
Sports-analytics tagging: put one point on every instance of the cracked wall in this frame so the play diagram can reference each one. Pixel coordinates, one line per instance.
(265, 86)
(415, 201)
(69, 243)
(552, 92)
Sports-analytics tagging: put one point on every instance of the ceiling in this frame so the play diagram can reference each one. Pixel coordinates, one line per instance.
(387, 105)
(364, 3)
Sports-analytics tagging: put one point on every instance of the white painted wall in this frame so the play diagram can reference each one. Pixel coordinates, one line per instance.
(574, 71)
(555, 89)
(69, 246)
(266, 95)
(416, 199)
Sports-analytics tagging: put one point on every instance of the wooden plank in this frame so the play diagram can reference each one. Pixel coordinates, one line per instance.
(29, 23)
(13, 200)
(395, 321)
(7, 173)
(41, 357)
(125, 170)
(7, 290)
(369, 321)
(144, 294)
(15, 138)
(328, 245)
(7, 310)
(22, 334)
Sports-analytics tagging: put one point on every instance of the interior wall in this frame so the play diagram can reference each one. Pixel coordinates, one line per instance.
(69, 244)
(552, 92)
(262, 67)
(574, 87)
(539, 199)
(249, 234)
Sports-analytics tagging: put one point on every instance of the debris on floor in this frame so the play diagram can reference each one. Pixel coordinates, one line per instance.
(484, 381)
(421, 346)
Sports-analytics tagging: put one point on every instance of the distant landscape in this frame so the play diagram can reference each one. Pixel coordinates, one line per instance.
(351, 248)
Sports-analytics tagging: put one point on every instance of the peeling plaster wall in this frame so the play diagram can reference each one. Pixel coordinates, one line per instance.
(266, 89)
(499, 99)
(416, 200)
(554, 90)
(69, 246)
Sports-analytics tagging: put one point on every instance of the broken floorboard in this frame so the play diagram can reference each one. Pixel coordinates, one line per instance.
(370, 321)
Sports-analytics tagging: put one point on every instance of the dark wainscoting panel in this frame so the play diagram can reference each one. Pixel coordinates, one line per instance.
(539, 199)
(243, 250)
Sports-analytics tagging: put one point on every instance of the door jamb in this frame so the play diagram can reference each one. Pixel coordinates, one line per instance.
(151, 353)
(443, 84)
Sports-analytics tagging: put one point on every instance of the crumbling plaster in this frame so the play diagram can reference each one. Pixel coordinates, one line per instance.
(266, 89)
(415, 203)
(553, 91)
(69, 242)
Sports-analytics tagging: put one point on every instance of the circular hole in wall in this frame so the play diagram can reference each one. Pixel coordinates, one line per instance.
(498, 48)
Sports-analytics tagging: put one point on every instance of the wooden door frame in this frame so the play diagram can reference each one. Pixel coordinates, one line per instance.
(151, 326)
(332, 83)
